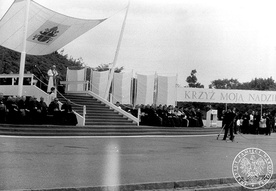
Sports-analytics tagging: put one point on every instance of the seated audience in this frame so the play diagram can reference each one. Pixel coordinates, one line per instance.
(35, 111)
(3, 111)
(24, 112)
(68, 116)
(54, 110)
(43, 110)
(12, 110)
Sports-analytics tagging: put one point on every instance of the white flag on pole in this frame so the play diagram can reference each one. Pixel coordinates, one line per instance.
(48, 31)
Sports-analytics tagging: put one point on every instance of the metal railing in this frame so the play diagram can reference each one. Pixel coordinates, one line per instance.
(73, 103)
(13, 79)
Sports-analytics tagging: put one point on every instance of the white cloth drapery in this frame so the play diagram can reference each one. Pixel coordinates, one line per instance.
(145, 88)
(121, 88)
(99, 82)
(166, 90)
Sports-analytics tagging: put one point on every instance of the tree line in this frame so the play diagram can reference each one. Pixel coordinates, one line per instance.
(267, 84)
(37, 65)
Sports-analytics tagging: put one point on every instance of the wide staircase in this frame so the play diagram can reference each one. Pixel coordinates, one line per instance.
(97, 113)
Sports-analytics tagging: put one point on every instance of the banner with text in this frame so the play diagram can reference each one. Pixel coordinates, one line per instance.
(226, 96)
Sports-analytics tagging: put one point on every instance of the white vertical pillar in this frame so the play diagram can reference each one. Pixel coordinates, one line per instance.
(155, 88)
(116, 56)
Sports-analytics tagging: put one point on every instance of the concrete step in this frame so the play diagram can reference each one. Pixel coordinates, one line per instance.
(108, 119)
(108, 123)
(105, 116)
(97, 110)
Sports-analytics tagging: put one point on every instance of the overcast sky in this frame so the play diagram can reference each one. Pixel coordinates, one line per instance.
(219, 38)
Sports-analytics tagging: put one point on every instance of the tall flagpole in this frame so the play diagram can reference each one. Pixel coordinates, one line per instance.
(116, 56)
(23, 53)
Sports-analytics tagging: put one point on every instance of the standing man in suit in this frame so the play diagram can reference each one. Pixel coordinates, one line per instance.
(229, 124)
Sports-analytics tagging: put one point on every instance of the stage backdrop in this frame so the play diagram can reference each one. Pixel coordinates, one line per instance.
(121, 87)
(166, 90)
(145, 88)
(226, 96)
(99, 82)
(76, 75)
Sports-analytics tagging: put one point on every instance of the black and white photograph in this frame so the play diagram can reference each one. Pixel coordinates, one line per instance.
(137, 95)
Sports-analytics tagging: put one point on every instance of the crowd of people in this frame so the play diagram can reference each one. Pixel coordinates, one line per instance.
(252, 122)
(169, 116)
(28, 110)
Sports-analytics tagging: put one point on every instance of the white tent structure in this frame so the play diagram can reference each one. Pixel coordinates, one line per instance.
(30, 28)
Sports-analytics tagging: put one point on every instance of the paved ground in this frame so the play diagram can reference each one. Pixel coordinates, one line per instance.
(77, 162)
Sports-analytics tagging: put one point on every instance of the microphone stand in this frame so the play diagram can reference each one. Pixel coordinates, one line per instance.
(40, 74)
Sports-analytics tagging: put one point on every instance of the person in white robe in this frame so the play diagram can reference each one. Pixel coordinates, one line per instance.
(52, 74)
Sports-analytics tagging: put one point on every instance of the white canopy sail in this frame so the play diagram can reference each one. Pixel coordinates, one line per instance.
(47, 32)
(30, 28)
